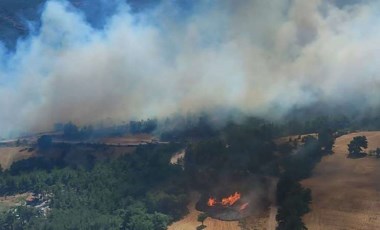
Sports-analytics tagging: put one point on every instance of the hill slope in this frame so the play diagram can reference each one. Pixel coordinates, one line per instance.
(346, 192)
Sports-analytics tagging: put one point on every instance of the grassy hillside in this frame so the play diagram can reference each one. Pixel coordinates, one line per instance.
(346, 191)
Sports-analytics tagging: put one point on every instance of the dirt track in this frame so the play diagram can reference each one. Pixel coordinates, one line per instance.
(346, 192)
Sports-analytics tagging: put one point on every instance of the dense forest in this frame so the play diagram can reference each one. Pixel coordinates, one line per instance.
(138, 191)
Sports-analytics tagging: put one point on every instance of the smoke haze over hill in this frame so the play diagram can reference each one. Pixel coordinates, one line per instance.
(257, 56)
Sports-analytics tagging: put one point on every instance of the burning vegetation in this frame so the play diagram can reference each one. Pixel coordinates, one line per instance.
(227, 201)
(236, 199)
(235, 169)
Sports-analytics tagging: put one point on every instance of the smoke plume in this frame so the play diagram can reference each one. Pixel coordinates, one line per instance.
(173, 57)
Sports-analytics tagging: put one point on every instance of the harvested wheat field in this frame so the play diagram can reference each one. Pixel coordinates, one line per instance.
(8, 155)
(346, 192)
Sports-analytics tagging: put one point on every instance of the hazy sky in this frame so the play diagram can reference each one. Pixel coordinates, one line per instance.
(254, 55)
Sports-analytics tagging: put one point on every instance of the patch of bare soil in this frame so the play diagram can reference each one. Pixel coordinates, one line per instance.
(177, 157)
(129, 139)
(7, 202)
(346, 192)
(8, 155)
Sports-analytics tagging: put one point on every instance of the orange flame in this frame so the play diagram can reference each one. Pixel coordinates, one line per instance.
(228, 201)
(211, 202)
(231, 199)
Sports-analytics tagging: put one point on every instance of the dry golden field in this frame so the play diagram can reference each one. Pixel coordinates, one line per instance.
(346, 192)
(8, 155)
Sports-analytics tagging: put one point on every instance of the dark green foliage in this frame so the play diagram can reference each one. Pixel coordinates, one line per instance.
(326, 139)
(44, 142)
(292, 197)
(377, 152)
(202, 217)
(19, 218)
(86, 132)
(238, 151)
(301, 164)
(142, 126)
(137, 191)
(318, 124)
(285, 148)
(73, 132)
(35, 163)
(291, 222)
(293, 200)
(137, 218)
(189, 129)
(70, 131)
(356, 145)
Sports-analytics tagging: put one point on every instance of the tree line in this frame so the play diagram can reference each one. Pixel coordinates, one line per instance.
(137, 191)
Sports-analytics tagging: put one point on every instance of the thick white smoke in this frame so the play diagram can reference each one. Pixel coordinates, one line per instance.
(252, 55)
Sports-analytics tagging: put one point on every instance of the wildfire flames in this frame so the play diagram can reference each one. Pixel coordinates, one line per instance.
(228, 201)
(211, 202)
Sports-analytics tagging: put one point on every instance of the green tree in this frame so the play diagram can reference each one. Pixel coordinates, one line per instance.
(160, 221)
(356, 145)
(326, 140)
(378, 152)
(202, 217)
(141, 221)
(293, 201)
